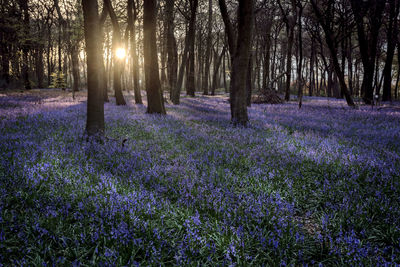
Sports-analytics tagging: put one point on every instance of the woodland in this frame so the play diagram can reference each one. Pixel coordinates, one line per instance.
(199, 133)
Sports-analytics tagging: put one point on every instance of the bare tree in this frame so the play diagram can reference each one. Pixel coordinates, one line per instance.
(132, 18)
(325, 19)
(240, 60)
(172, 52)
(117, 43)
(190, 79)
(95, 104)
(155, 101)
(368, 34)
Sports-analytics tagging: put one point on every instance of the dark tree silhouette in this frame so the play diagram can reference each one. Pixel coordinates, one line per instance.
(240, 63)
(95, 104)
(155, 100)
(117, 42)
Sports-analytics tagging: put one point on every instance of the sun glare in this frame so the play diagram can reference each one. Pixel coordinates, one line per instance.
(120, 53)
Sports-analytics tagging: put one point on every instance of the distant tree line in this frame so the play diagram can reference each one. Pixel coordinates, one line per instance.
(345, 48)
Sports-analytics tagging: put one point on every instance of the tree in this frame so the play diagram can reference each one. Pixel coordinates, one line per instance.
(392, 31)
(172, 53)
(300, 45)
(190, 79)
(368, 33)
(155, 101)
(95, 104)
(26, 44)
(289, 17)
(240, 63)
(208, 49)
(132, 18)
(325, 20)
(116, 43)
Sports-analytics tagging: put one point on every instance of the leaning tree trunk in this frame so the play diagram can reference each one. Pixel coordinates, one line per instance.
(333, 52)
(240, 63)
(155, 100)
(95, 104)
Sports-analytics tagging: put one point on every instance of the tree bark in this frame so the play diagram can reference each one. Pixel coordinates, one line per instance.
(39, 66)
(240, 63)
(95, 104)
(368, 40)
(206, 73)
(132, 17)
(190, 79)
(230, 33)
(290, 22)
(182, 67)
(216, 70)
(26, 44)
(155, 100)
(333, 52)
(392, 32)
(300, 47)
(172, 53)
(116, 43)
(249, 80)
(75, 69)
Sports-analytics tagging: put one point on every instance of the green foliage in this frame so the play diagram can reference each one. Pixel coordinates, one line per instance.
(58, 80)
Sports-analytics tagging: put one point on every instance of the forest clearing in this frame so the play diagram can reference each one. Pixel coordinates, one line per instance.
(309, 186)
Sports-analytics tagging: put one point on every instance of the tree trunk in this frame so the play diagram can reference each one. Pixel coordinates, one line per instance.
(39, 67)
(155, 100)
(300, 66)
(368, 40)
(240, 63)
(95, 104)
(350, 65)
(163, 55)
(5, 64)
(190, 79)
(396, 92)
(172, 53)
(267, 56)
(49, 69)
(290, 32)
(333, 52)
(216, 70)
(391, 46)
(132, 17)
(208, 49)
(75, 69)
(26, 44)
(249, 80)
(182, 67)
(312, 73)
(226, 88)
(116, 43)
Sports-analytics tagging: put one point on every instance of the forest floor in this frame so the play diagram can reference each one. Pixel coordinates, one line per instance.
(320, 185)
